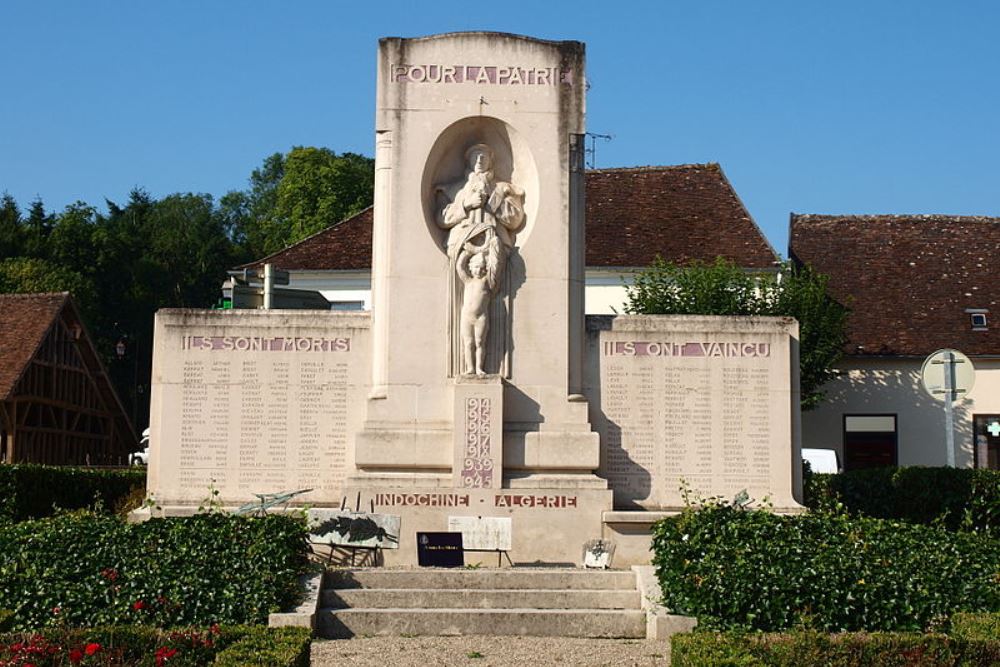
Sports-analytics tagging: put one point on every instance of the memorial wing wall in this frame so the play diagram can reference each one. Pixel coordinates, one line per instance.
(706, 404)
(248, 402)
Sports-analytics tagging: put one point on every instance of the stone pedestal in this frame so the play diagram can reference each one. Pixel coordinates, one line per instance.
(478, 432)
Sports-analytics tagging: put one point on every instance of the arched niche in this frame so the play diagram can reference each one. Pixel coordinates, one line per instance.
(446, 164)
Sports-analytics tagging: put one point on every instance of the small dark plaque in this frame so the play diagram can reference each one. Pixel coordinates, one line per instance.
(440, 550)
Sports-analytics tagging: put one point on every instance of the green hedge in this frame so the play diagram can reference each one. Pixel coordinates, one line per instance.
(83, 569)
(33, 491)
(754, 570)
(956, 497)
(799, 649)
(127, 646)
(976, 626)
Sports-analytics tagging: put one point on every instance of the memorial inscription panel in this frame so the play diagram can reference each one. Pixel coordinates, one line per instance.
(708, 410)
(262, 407)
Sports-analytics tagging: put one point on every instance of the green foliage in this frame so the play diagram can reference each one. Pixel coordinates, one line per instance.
(82, 569)
(35, 491)
(976, 626)
(753, 570)
(130, 645)
(296, 195)
(958, 498)
(723, 288)
(798, 649)
(6, 616)
(276, 647)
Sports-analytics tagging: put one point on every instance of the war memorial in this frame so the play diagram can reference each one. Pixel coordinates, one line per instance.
(476, 387)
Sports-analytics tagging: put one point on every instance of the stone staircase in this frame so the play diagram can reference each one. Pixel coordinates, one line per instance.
(511, 601)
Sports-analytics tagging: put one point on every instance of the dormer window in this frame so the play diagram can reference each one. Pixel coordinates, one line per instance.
(978, 316)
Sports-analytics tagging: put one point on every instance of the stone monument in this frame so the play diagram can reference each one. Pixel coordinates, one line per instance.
(474, 391)
(477, 310)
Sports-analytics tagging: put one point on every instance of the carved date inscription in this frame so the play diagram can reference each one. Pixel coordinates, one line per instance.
(477, 463)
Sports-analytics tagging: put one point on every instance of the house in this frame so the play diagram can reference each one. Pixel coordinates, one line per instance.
(682, 213)
(57, 403)
(915, 284)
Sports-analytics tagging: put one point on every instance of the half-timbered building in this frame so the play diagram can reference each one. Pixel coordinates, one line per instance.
(57, 403)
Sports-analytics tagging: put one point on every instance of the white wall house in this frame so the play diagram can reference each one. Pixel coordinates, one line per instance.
(915, 284)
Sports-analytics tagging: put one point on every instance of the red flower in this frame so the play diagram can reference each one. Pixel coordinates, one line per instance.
(75, 656)
(163, 654)
(92, 648)
(56, 610)
(109, 573)
(138, 605)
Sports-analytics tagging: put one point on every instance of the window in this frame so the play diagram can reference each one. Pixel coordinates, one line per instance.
(987, 438)
(869, 441)
(978, 316)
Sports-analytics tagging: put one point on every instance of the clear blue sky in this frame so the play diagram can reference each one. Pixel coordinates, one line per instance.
(813, 107)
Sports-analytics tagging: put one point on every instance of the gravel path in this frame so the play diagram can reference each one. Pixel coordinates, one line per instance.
(488, 651)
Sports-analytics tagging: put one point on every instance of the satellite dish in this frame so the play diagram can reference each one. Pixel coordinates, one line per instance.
(948, 375)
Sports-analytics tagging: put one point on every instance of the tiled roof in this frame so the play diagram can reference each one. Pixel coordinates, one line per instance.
(24, 321)
(345, 245)
(682, 213)
(908, 279)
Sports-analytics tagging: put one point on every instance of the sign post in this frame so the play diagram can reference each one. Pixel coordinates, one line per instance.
(948, 376)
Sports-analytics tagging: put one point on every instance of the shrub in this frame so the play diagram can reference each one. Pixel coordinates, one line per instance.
(976, 626)
(753, 570)
(127, 645)
(83, 569)
(276, 648)
(959, 498)
(30, 491)
(847, 650)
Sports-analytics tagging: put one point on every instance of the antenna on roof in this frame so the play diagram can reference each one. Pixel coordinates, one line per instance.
(592, 151)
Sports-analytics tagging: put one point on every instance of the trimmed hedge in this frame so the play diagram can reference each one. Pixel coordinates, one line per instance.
(127, 645)
(83, 569)
(34, 491)
(754, 570)
(277, 648)
(846, 650)
(958, 498)
(976, 626)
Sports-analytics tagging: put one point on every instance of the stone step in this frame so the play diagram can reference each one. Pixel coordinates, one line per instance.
(483, 579)
(594, 623)
(432, 598)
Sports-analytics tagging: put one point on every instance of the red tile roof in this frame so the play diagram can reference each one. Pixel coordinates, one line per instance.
(682, 213)
(24, 321)
(908, 279)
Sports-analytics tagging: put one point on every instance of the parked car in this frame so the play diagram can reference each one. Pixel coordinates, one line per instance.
(141, 458)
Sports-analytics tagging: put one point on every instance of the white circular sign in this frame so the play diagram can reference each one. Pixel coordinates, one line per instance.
(951, 362)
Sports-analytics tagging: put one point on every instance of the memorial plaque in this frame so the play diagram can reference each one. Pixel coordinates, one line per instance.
(597, 554)
(440, 550)
(353, 529)
(482, 533)
(697, 402)
(254, 402)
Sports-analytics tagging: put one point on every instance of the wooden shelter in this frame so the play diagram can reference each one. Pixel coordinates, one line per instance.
(57, 403)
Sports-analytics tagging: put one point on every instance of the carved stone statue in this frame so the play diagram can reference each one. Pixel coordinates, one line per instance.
(477, 293)
(483, 216)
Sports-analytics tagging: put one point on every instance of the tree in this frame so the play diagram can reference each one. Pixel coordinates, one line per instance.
(723, 288)
(30, 275)
(11, 232)
(295, 195)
